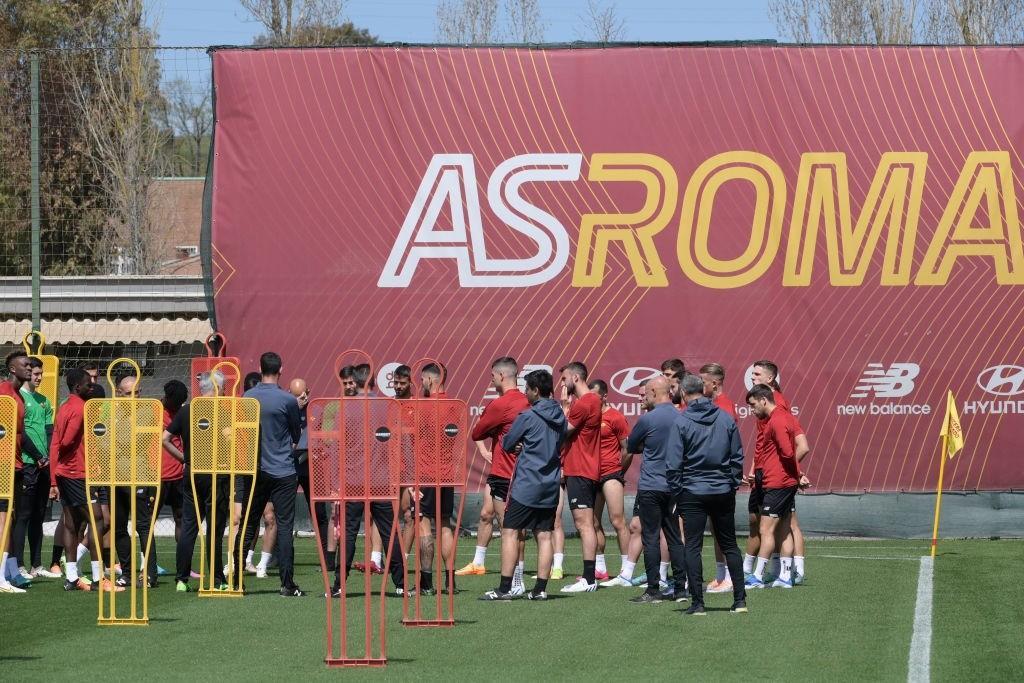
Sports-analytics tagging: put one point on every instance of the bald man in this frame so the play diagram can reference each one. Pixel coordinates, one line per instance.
(300, 391)
(651, 437)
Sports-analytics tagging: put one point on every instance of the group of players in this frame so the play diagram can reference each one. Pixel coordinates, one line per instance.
(543, 454)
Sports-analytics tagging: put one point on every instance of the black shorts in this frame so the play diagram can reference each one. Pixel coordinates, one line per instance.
(72, 492)
(100, 495)
(427, 505)
(580, 493)
(243, 489)
(779, 502)
(499, 487)
(755, 500)
(636, 507)
(172, 493)
(617, 476)
(519, 516)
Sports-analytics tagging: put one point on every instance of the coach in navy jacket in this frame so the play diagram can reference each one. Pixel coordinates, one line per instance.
(705, 477)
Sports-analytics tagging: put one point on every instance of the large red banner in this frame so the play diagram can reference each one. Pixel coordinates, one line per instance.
(849, 213)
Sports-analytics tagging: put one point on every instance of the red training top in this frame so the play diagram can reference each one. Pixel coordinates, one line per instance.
(775, 450)
(171, 469)
(726, 404)
(494, 424)
(67, 447)
(582, 457)
(614, 429)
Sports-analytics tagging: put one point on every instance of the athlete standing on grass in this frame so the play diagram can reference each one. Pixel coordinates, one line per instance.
(651, 436)
(713, 376)
(21, 372)
(581, 465)
(614, 431)
(494, 424)
(35, 476)
(533, 497)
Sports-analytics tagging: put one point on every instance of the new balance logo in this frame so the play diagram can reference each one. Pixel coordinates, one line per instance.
(893, 382)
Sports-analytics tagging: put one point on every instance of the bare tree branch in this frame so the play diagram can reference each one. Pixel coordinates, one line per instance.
(468, 21)
(289, 22)
(974, 22)
(853, 22)
(524, 21)
(603, 22)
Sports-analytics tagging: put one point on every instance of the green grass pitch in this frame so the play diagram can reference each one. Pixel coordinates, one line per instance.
(853, 619)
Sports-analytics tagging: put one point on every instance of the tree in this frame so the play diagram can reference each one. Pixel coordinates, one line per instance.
(467, 21)
(974, 22)
(603, 23)
(120, 107)
(189, 117)
(524, 21)
(305, 22)
(848, 22)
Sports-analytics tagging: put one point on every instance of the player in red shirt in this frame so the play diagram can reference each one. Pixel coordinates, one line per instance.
(172, 471)
(67, 482)
(21, 372)
(776, 466)
(494, 424)
(581, 465)
(766, 372)
(614, 432)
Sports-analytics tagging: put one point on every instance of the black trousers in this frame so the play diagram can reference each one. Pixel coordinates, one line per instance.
(320, 513)
(721, 508)
(657, 515)
(281, 491)
(119, 519)
(190, 524)
(31, 491)
(382, 514)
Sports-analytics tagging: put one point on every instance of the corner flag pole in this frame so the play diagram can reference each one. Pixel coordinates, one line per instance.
(938, 494)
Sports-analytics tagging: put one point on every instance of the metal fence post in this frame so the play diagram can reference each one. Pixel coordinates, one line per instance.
(36, 313)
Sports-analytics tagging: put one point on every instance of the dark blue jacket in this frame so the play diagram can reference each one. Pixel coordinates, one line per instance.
(652, 435)
(538, 471)
(707, 453)
(280, 428)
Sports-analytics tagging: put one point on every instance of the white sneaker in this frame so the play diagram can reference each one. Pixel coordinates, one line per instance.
(798, 579)
(261, 571)
(24, 573)
(518, 589)
(8, 588)
(618, 581)
(45, 573)
(581, 586)
(250, 568)
(782, 583)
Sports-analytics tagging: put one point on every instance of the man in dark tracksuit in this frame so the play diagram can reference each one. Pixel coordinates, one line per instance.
(651, 436)
(536, 434)
(705, 469)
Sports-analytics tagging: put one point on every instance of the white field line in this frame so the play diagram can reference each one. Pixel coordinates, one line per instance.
(866, 557)
(919, 669)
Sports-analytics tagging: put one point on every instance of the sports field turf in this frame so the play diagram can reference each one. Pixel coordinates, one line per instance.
(853, 619)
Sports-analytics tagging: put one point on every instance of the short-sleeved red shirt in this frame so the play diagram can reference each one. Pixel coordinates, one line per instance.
(170, 468)
(583, 453)
(775, 449)
(67, 447)
(726, 404)
(614, 429)
(494, 424)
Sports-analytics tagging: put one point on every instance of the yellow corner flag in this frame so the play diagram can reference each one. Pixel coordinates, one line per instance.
(952, 441)
(952, 434)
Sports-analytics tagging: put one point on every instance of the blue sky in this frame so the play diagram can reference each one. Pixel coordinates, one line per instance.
(224, 22)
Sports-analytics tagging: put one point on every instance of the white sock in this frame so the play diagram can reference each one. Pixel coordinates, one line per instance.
(517, 575)
(762, 562)
(600, 565)
(663, 571)
(71, 571)
(480, 555)
(798, 564)
(3, 571)
(264, 560)
(627, 568)
(786, 574)
(557, 561)
(720, 571)
(10, 567)
(81, 552)
(776, 565)
(376, 556)
(748, 563)
(97, 573)
(248, 557)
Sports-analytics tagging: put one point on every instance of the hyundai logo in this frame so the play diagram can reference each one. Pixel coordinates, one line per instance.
(626, 381)
(1002, 380)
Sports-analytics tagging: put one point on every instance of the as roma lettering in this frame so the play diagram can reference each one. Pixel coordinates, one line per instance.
(979, 220)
